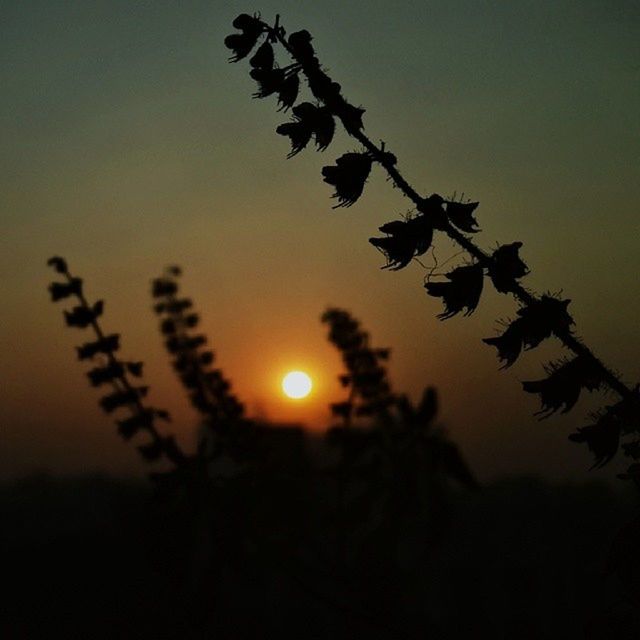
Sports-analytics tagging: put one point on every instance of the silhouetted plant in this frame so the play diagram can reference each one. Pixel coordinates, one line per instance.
(394, 466)
(274, 522)
(208, 390)
(401, 426)
(391, 477)
(538, 317)
(113, 372)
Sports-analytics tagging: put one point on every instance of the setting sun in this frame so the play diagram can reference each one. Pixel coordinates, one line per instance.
(296, 385)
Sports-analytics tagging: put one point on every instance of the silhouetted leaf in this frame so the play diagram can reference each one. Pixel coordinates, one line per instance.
(562, 387)
(217, 382)
(433, 210)
(193, 342)
(102, 375)
(108, 344)
(536, 321)
(422, 416)
(176, 343)
(269, 81)
(299, 133)
(460, 215)
(81, 316)
(369, 378)
(135, 368)
(288, 92)
(356, 358)
(345, 380)
(190, 379)
(461, 292)
(506, 266)
(177, 306)
(172, 451)
(263, 58)
(352, 117)
(602, 437)
(214, 377)
(206, 358)
(128, 427)
(509, 344)
(242, 43)
(341, 409)
(61, 290)
(122, 398)
(168, 326)
(348, 177)
(191, 320)
(406, 239)
(309, 120)
(59, 264)
(405, 409)
(324, 127)
(542, 318)
(163, 287)
(428, 407)
(300, 43)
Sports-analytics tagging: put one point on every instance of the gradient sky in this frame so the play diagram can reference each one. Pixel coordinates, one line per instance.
(128, 143)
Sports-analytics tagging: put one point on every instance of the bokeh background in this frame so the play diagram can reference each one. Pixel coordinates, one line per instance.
(128, 143)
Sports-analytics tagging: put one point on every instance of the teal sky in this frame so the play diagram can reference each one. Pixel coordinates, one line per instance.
(129, 143)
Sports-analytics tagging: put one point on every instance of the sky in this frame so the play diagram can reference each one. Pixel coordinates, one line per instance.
(129, 143)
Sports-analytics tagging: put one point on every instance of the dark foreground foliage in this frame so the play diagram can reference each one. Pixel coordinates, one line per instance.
(97, 558)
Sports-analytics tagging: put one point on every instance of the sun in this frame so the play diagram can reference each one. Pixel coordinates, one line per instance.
(296, 385)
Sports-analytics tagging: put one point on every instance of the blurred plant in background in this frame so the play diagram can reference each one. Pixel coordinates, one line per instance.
(358, 515)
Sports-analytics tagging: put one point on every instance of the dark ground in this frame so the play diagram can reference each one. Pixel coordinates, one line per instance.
(93, 557)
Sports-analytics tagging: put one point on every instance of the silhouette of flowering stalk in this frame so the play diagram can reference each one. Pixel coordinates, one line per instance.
(393, 470)
(370, 391)
(392, 475)
(538, 317)
(114, 372)
(227, 433)
(209, 391)
(398, 427)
